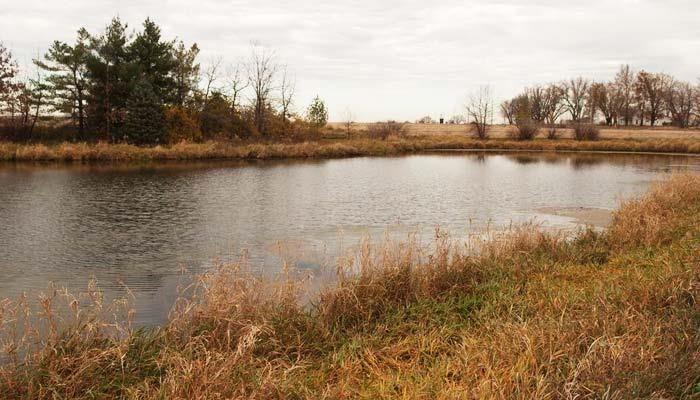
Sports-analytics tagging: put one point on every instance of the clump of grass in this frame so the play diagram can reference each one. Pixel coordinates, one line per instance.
(528, 314)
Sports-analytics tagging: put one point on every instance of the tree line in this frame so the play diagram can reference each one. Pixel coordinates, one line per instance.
(137, 87)
(631, 98)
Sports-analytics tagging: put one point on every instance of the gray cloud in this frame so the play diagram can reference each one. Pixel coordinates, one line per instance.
(398, 59)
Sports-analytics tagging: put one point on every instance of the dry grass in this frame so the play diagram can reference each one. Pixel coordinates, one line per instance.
(335, 148)
(528, 315)
(504, 131)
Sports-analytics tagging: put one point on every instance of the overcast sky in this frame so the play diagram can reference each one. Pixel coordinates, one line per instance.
(397, 59)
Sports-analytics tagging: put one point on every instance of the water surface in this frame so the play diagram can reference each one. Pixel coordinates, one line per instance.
(140, 226)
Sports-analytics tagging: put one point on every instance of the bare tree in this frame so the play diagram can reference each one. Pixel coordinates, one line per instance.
(211, 75)
(553, 108)
(606, 98)
(681, 100)
(38, 91)
(650, 89)
(576, 97)
(553, 105)
(458, 119)
(536, 96)
(237, 83)
(262, 70)
(480, 111)
(509, 111)
(596, 93)
(348, 120)
(287, 89)
(624, 86)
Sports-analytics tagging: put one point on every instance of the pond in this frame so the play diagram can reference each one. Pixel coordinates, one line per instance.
(135, 228)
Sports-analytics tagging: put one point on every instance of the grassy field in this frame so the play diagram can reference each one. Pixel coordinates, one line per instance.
(503, 131)
(323, 148)
(530, 315)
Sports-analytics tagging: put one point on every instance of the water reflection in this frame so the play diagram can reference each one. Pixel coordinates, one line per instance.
(137, 227)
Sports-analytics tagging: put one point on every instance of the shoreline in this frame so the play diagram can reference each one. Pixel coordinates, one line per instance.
(66, 153)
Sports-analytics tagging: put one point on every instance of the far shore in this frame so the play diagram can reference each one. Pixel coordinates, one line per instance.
(328, 148)
(501, 131)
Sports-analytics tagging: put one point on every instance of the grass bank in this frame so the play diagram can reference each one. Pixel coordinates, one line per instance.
(531, 315)
(102, 152)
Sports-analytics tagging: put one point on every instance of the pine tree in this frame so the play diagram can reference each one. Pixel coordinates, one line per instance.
(317, 113)
(111, 74)
(185, 73)
(145, 120)
(154, 60)
(8, 70)
(67, 79)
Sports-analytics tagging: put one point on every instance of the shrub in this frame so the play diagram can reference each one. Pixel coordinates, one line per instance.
(479, 131)
(382, 130)
(217, 116)
(526, 129)
(552, 133)
(181, 124)
(586, 132)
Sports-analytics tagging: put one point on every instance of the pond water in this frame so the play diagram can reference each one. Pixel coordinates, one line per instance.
(138, 227)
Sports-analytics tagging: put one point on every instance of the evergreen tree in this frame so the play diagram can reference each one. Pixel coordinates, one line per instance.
(67, 81)
(8, 86)
(318, 113)
(145, 119)
(111, 73)
(8, 70)
(154, 60)
(185, 73)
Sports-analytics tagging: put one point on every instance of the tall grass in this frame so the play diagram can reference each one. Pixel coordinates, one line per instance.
(528, 314)
(102, 152)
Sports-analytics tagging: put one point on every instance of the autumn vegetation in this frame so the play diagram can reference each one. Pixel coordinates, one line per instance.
(630, 99)
(324, 149)
(522, 314)
(138, 88)
(150, 98)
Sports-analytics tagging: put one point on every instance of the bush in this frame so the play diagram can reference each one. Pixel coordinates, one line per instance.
(297, 130)
(181, 124)
(382, 130)
(217, 117)
(479, 130)
(552, 133)
(586, 132)
(525, 130)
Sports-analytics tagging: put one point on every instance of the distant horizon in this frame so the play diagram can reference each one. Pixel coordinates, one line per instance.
(393, 60)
